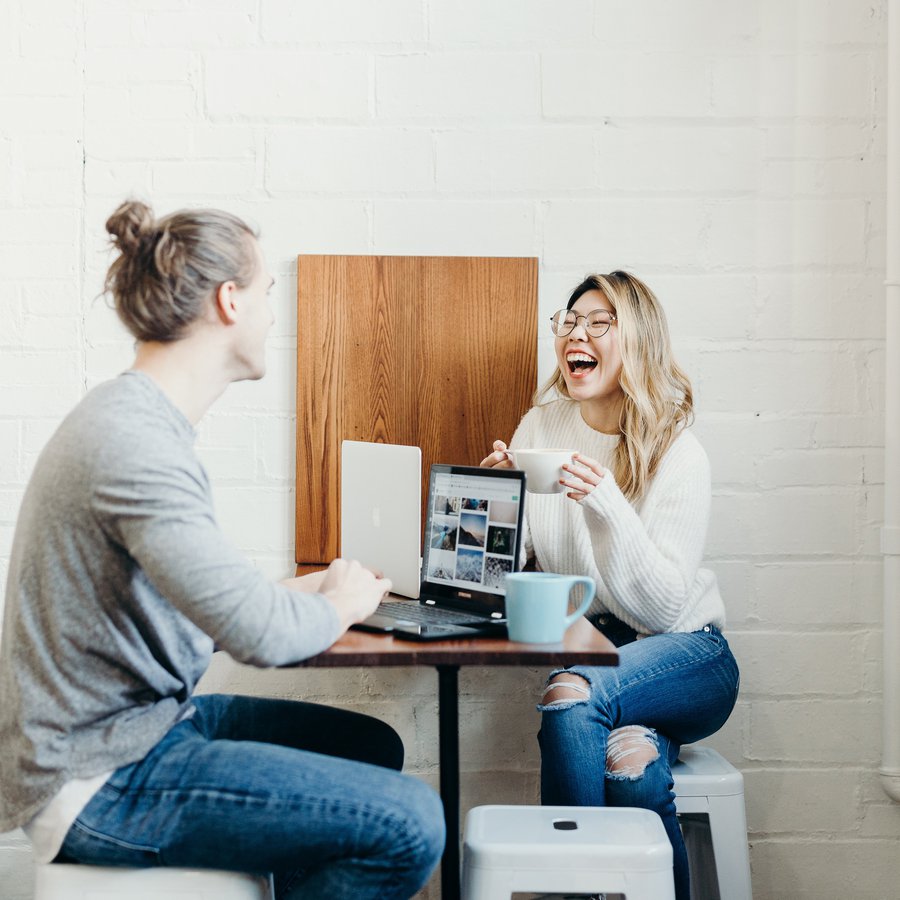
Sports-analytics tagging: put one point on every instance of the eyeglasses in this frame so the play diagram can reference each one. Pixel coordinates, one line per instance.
(596, 323)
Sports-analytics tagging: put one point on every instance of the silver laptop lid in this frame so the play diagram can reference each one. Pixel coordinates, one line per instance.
(381, 510)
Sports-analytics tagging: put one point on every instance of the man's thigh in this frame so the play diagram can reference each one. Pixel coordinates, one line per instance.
(241, 805)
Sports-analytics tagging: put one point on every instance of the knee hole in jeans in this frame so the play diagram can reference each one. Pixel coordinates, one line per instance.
(565, 689)
(629, 750)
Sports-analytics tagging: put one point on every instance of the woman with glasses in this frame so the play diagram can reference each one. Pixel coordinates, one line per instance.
(634, 516)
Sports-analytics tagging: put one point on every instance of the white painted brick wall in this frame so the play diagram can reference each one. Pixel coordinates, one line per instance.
(275, 83)
(351, 161)
(343, 21)
(535, 22)
(437, 86)
(733, 154)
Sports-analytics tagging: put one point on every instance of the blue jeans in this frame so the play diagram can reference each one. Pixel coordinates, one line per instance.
(305, 791)
(681, 686)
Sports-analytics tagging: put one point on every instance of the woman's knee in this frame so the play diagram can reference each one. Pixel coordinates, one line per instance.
(629, 750)
(636, 774)
(564, 690)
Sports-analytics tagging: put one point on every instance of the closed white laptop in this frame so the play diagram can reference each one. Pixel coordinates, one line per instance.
(381, 510)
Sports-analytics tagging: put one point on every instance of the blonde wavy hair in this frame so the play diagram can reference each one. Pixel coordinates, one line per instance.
(658, 400)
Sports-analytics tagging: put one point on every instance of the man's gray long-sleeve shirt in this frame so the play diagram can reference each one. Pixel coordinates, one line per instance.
(119, 585)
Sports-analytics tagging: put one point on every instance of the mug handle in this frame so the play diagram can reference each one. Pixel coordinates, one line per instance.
(588, 597)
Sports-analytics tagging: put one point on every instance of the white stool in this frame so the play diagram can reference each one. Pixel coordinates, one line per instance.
(59, 881)
(707, 784)
(565, 848)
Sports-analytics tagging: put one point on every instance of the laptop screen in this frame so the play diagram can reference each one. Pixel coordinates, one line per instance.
(473, 527)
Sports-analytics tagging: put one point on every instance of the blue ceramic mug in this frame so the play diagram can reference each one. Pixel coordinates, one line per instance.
(537, 605)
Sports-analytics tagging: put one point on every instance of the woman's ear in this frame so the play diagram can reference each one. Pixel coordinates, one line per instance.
(225, 305)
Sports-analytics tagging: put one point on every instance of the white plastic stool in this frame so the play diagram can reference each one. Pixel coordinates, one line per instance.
(59, 881)
(565, 848)
(706, 783)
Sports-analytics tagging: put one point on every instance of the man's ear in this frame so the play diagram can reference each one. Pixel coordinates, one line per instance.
(225, 302)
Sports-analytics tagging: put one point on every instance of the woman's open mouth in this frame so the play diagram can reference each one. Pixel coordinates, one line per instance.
(580, 363)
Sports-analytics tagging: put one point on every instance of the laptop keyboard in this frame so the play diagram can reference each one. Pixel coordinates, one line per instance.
(417, 612)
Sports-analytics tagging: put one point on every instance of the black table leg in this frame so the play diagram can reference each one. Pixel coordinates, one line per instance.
(448, 754)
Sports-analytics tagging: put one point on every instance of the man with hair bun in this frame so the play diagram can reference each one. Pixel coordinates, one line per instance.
(120, 585)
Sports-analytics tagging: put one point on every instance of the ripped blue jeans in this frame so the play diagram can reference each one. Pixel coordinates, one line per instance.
(679, 688)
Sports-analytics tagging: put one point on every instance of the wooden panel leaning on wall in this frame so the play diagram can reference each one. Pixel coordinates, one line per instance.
(435, 352)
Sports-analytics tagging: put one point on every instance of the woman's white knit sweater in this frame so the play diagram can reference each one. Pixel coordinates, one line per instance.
(644, 557)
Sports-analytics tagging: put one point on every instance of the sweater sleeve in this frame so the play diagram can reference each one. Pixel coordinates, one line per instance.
(160, 518)
(649, 561)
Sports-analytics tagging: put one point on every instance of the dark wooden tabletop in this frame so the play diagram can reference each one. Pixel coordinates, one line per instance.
(582, 644)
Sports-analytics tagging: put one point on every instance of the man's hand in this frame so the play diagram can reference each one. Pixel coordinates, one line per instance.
(353, 590)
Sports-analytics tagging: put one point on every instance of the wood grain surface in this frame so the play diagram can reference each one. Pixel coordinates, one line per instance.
(434, 352)
(582, 644)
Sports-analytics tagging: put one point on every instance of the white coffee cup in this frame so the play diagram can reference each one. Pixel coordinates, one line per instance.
(542, 468)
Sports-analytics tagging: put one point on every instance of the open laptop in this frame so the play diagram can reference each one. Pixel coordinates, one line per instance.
(473, 534)
(381, 503)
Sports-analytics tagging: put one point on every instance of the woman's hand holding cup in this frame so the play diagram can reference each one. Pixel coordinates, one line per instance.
(498, 459)
(582, 476)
